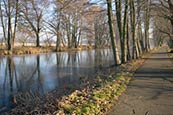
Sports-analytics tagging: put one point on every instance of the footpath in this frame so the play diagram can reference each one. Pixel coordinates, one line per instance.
(150, 92)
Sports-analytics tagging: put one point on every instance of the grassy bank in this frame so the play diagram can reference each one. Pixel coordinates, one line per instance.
(26, 50)
(99, 100)
(36, 50)
(96, 101)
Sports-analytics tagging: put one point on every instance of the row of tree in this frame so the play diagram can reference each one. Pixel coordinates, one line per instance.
(137, 20)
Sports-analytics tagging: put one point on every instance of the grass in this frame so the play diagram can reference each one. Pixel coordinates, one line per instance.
(96, 101)
(36, 50)
(26, 50)
(99, 100)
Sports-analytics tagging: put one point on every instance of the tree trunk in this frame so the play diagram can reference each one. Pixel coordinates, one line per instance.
(9, 27)
(68, 33)
(58, 37)
(135, 51)
(96, 35)
(139, 30)
(15, 22)
(57, 42)
(128, 41)
(112, 32)
(37, 39)
(3, 25)
(78, 40)
(118, 4)
(124, 41)
(146, 26)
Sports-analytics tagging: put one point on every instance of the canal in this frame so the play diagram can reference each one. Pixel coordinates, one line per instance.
(40, 74)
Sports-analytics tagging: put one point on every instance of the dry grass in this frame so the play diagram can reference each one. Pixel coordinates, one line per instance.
(37, 50)
(26, 50)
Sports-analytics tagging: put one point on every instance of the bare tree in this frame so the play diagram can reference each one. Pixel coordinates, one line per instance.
(101, 30)
(163, 12)
(9, 13)
(72, 16)
(95, 26)
(24, 35)
(32, 16)
(53, 25)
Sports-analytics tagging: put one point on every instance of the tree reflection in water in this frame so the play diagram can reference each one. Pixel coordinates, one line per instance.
(38, 74)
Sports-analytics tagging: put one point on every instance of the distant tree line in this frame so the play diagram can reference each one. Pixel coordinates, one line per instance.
(69, 22)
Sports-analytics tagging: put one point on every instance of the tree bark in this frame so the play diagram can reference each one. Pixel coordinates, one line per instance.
(3, 25)
(128, 41)
(57, 37)
(37, 40)
(112, 32)
(135, 51)
(118, 4)
(124, 41)
(9, 26)
(139, 30)
(146, 26)
(15, 22)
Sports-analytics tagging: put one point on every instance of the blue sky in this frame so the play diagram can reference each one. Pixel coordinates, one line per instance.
(98, 1)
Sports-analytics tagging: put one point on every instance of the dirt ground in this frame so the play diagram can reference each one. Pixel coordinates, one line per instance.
(151, 90)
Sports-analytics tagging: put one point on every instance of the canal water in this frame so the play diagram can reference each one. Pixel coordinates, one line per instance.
(39, 74)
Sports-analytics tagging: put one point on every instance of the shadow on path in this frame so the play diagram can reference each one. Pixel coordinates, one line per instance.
(151, 90)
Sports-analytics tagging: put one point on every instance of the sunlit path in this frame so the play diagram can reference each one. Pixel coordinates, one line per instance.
(151, 90)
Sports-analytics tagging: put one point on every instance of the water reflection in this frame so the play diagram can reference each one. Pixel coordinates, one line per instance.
(39, 74)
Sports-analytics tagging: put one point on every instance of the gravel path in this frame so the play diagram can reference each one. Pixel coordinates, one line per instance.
(151, 90)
